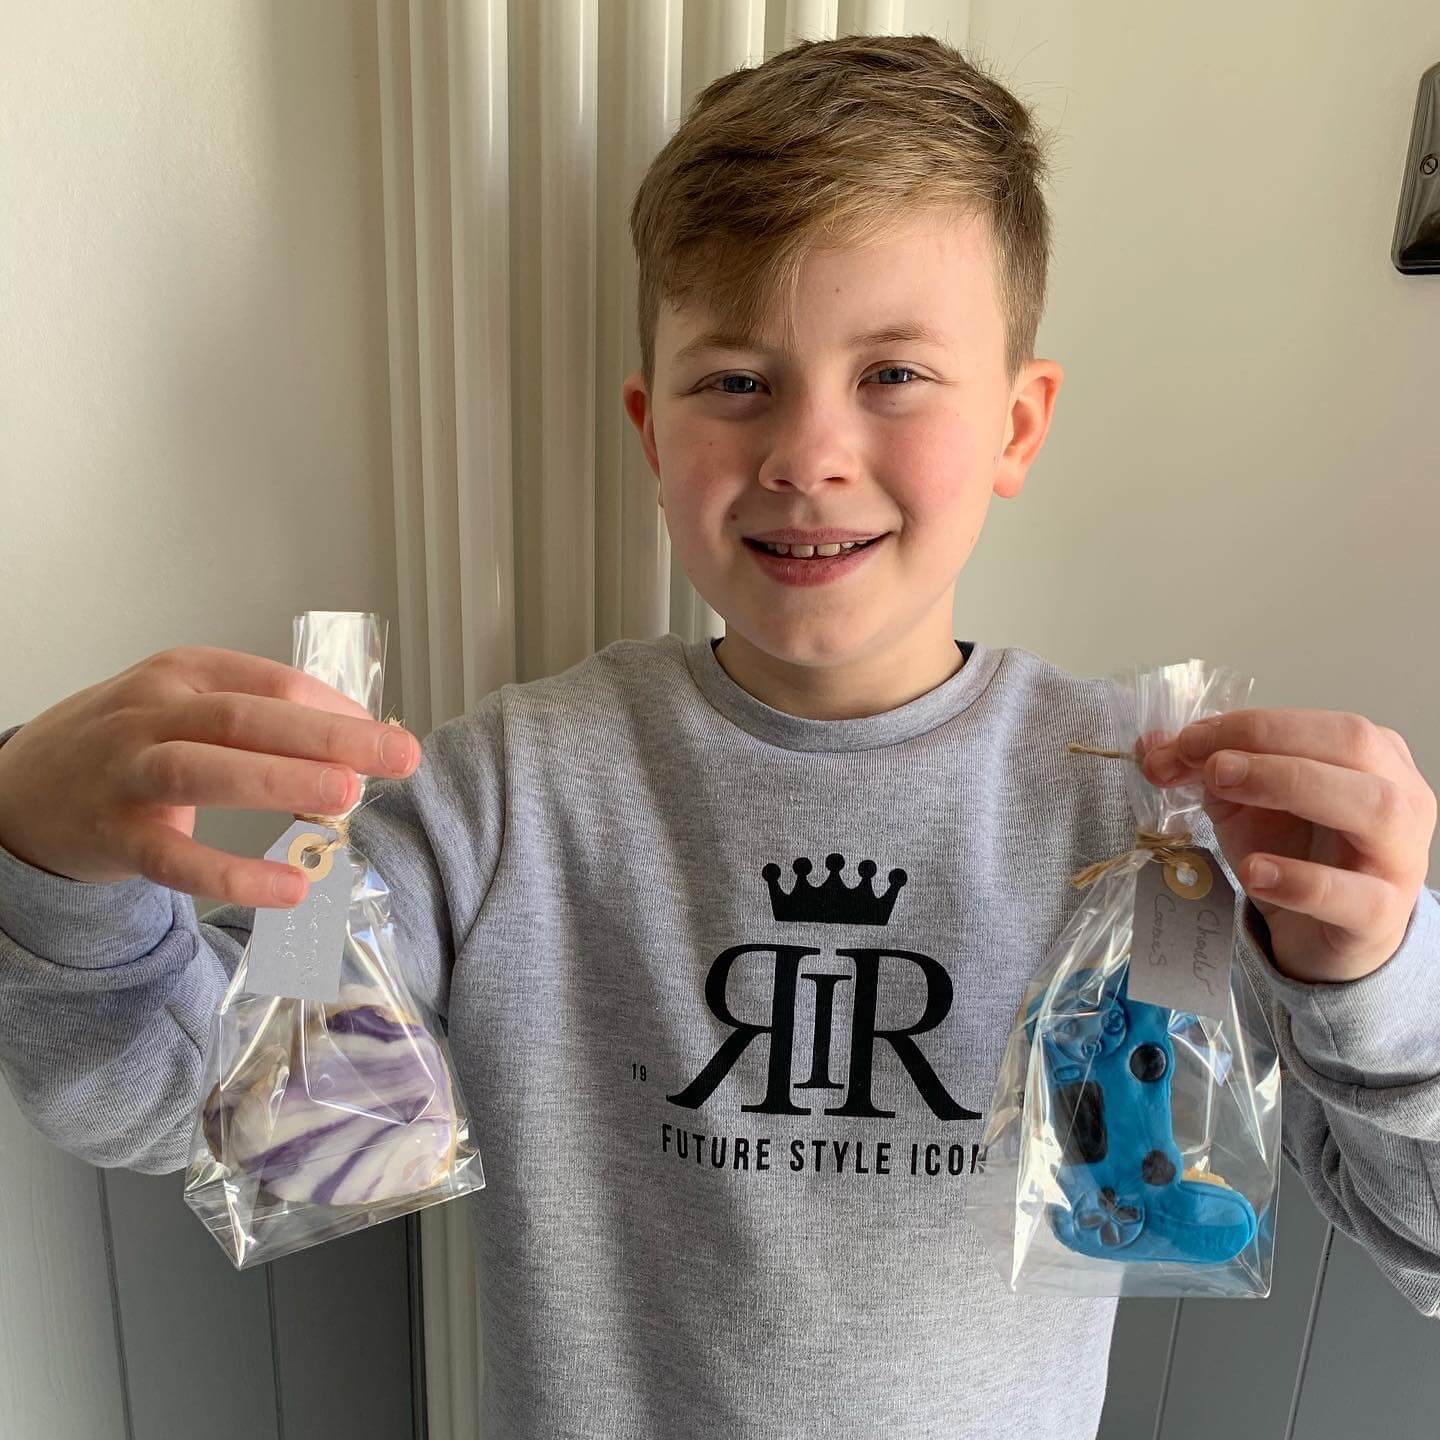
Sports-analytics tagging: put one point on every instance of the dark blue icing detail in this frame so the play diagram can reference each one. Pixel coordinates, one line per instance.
(1148, 1063)
(1080, 1118)
(1156, 1169)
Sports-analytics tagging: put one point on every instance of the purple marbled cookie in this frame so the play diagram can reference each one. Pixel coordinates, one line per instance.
(357, 1110)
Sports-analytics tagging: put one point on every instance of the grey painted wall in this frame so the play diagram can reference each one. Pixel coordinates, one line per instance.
(319, 1345)
(1334, 1353)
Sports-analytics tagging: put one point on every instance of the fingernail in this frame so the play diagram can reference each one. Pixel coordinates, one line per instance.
(289, 888)
(1263, 874)
(1230, 769)
(395, 752)
(334, 786)
(1193, 740)
(1164, 764)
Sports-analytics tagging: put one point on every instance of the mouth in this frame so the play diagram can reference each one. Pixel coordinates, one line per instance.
(811, 552)
(815, 568)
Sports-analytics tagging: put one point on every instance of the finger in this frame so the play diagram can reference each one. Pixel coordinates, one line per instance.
(1350, 901)
(162, 854)
(282, 727)
(1371, 811)
(182, 772)
(1398, 741)
(1332, 737)
(210, 668)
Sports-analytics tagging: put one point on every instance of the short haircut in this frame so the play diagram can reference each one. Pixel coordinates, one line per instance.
(828, 143)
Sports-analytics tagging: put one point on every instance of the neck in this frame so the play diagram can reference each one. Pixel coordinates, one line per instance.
(860, 685)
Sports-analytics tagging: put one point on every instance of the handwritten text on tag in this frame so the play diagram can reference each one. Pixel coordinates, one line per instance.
(1184, 937)
(297, 951)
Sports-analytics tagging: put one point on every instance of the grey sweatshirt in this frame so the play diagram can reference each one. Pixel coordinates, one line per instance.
(720, 1199)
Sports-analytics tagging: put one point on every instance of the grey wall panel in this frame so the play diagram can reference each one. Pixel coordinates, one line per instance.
(1374, 1366)
(59, 1376)
(195, 1332)
(1252, 1348)
(1139, 1359)
(342, 1337)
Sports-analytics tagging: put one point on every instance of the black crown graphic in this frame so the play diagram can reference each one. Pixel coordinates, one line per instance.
(833, 902)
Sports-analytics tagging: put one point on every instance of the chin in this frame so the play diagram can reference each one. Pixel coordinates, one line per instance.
(816, 642)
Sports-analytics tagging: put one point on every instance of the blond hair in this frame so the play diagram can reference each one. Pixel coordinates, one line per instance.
(829, 142)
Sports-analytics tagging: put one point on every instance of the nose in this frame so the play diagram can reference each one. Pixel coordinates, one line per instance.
(810, 446)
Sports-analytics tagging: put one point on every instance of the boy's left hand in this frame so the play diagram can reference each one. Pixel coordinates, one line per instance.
(1335, 804)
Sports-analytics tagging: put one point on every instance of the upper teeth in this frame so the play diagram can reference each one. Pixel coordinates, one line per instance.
(806, 551)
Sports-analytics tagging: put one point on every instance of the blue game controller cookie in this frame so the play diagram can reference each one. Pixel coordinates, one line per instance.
(1108, 1063)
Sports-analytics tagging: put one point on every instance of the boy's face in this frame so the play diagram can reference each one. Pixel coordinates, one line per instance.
(906, 439)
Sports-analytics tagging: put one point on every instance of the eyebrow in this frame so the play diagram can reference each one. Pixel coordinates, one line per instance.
(886, 335)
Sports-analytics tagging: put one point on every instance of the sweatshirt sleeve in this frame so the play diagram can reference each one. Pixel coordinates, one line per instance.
(1360, 1102)
(1360, 1091)
(107, 991)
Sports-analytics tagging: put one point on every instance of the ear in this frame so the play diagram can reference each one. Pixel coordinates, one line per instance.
(637, 407)
(1032, 404)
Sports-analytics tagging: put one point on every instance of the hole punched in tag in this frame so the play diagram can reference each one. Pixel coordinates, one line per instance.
(1180, 952)
(1189, 875)
(314, 854)
(311, 853)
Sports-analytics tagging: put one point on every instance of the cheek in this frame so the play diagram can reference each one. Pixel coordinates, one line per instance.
(690, 447)
(703, 467)
(700, 486)
(933, 468)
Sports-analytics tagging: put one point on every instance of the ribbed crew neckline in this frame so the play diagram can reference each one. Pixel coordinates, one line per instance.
(861, 732)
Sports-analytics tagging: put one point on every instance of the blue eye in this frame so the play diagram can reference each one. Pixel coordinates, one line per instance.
(750, 378)
(720, 382)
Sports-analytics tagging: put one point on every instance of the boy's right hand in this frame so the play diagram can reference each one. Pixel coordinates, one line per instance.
(104, 785)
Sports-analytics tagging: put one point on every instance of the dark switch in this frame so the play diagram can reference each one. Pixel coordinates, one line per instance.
(1416, 247)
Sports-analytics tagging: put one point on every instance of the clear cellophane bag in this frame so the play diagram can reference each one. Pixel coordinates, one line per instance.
(1132, 1149)
(316, 1119)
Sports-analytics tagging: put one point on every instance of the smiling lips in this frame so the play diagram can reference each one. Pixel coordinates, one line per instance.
(830, 535)
(810, 564)
(805, 549)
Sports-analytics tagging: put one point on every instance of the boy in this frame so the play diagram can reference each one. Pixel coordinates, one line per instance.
(728, 1113)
